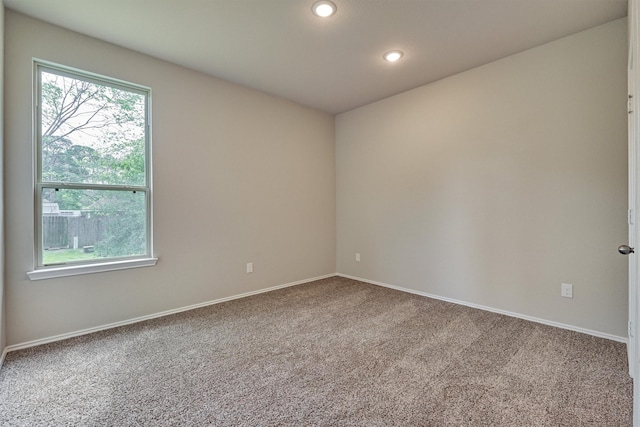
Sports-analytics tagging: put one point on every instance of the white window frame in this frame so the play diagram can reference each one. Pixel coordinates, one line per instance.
(42, 271)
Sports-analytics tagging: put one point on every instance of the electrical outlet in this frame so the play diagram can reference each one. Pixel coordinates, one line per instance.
(357, 257)
(249, 267)
(566, 290)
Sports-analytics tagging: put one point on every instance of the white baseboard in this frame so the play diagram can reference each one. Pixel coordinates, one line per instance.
(151, 316)
(3, 355)
(493, 310)
(286, 285)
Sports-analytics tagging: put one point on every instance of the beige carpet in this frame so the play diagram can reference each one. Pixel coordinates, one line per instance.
(335, 352)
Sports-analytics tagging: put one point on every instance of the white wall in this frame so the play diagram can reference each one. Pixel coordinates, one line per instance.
(239, 176)
(496, 185)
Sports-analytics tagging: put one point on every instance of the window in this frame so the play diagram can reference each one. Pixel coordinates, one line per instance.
(92, 164)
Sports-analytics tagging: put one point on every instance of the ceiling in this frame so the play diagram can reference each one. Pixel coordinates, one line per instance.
(333, 64)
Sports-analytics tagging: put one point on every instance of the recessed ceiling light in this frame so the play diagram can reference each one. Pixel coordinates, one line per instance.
(324, 8)
(392, 55)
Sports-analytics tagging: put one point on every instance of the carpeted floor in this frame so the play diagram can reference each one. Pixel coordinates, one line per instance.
(335, 352)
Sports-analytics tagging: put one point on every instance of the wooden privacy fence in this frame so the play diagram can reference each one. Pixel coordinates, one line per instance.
(59, 231)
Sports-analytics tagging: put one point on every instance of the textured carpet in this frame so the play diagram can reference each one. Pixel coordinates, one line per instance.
(335, 352)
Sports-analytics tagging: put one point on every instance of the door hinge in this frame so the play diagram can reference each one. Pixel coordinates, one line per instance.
(631, 219)
(630, 329)
(630, 104)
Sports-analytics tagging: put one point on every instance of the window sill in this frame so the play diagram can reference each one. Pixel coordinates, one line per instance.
(75, 270)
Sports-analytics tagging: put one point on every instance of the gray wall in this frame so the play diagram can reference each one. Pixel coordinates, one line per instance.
(239, 176)
(496, 185)
(3, 335)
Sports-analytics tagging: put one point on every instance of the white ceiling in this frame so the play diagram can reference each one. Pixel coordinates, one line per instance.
(333, 64)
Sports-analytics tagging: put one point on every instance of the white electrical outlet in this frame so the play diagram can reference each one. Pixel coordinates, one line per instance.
(249, 267)
(357, 257)
(566, 290)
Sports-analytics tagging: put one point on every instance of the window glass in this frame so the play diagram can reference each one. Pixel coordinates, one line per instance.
(92, 184)
(82, 225)
(91, 133)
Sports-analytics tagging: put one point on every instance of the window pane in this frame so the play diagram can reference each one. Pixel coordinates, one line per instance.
(91, 133)
(91, 224)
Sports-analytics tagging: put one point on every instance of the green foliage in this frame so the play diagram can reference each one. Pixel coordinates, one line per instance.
(67, 200)
(124, 225)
